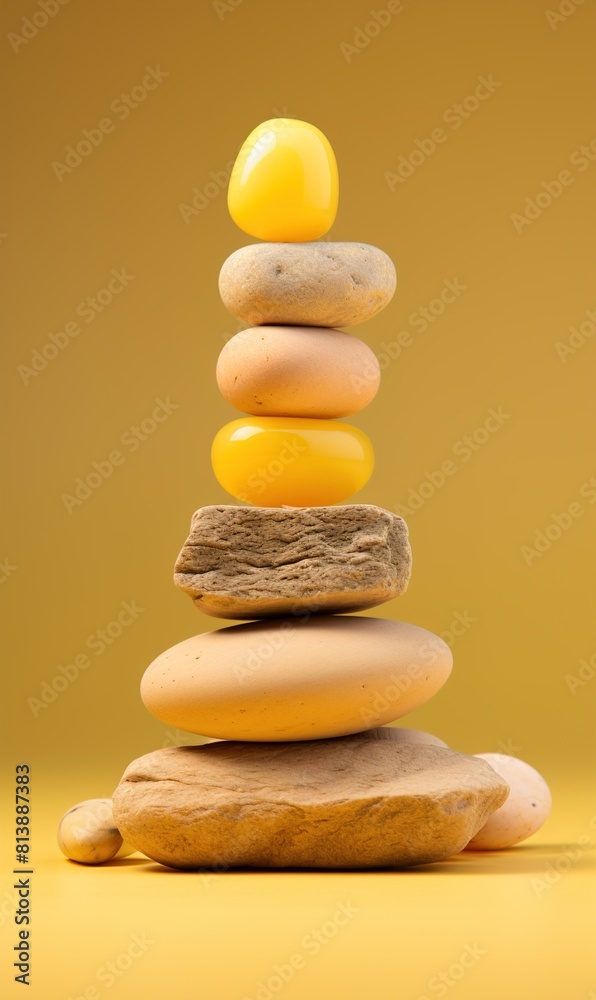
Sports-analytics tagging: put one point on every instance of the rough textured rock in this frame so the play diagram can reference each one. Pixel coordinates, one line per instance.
(343, 803)
(307, 284)
(255, 562)
(296, 679)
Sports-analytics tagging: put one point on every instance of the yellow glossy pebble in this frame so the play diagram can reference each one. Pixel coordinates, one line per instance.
(298, 462)
(284, 185)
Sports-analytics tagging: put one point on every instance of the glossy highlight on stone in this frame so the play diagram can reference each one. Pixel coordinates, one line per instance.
(284, 184)
(278, 461)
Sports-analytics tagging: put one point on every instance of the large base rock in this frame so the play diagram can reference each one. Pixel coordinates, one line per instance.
(338, 803)
(255, 562)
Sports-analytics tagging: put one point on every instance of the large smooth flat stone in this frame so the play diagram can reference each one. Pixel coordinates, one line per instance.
(256, 562)
(296, 679)
(343, 803)
(307, 284)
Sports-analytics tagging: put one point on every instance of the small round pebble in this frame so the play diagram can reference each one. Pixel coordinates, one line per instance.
(522, 813)
(87, 833)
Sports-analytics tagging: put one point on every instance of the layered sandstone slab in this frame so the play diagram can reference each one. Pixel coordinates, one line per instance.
(258, 562)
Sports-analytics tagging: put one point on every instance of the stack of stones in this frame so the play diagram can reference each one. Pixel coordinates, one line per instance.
(303, 770)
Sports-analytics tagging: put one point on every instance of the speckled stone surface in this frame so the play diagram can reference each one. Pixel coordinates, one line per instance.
(307, 284)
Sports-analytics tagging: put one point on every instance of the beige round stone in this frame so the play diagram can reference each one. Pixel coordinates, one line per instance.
(88, 833)
(297, 371)
(296, 678)
(307, 284)
(523, 813)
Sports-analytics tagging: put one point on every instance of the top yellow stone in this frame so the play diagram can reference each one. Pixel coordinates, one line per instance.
(284, 185)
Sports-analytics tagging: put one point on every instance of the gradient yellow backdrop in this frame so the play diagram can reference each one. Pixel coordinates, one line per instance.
(466, 143)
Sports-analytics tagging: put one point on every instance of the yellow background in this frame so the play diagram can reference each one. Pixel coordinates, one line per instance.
(495, 347)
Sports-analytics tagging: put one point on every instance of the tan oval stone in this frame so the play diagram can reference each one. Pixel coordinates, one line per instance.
(339, 803)
(307, 284)
(296, 678)
(297, 371)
